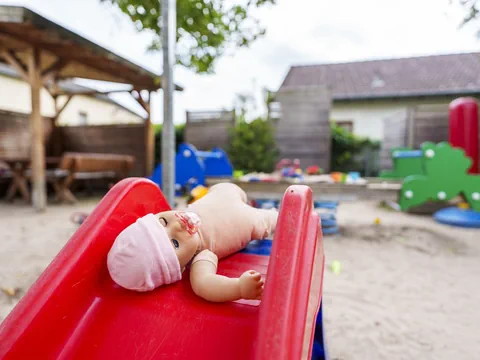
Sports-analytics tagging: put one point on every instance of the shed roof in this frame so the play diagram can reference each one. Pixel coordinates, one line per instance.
(20, 28)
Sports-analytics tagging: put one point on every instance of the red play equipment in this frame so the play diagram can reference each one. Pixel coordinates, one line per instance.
(75, 311)
(464, 129)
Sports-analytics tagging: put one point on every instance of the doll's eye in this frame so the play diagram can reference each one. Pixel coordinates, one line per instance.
(175, 243)
(165, 223)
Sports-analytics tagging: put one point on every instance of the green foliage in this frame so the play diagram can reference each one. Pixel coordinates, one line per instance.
(252, 146)
(179, 138)
(157, 128)
(206, 29)
(472, 11)
(347, 150)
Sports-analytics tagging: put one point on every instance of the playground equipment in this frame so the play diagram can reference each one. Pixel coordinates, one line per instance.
(406, 162)
(192, 167)
(464, 129)
(445, 177)
(447, 171)
(458, 217)
(328, 217)
(75, 310)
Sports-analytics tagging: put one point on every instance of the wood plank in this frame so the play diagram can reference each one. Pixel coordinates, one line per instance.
(16, 63)
(149, 141)
(39, 196)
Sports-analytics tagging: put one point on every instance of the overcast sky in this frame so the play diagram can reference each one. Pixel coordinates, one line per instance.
(298, 32)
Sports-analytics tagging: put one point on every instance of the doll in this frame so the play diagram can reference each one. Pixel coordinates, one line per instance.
(156, 249)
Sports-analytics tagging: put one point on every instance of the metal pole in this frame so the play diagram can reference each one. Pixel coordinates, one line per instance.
(168, 26)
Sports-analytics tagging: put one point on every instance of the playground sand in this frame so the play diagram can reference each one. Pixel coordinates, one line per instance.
(407, 288)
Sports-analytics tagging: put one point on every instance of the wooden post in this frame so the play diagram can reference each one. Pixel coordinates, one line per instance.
(149, 131)
(39, 193)
(149, 139)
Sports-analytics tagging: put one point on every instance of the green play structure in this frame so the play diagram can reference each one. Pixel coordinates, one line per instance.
(443, 176)
(406, 162)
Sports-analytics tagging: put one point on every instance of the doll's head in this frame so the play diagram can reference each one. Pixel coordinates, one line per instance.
(153, 251)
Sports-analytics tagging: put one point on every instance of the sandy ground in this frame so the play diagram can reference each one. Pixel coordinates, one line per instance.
(408, 288)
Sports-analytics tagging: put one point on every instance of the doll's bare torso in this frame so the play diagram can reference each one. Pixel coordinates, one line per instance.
(228, 222)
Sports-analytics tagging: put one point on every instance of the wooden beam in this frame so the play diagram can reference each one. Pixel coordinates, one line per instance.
(53, 69)
(149, 141)
(59, 109)
(91, 92)
(16, 63)
(39, 188)
(136, 94)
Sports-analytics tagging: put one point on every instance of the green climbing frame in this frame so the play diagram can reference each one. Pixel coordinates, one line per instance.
(406, 162)
(445, 176)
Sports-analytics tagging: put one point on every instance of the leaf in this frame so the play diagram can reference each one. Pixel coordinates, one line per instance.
(205, 28)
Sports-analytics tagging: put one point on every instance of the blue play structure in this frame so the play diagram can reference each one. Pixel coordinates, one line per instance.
(192, 167)
(329, 217)
(319, 350)
(458, 217)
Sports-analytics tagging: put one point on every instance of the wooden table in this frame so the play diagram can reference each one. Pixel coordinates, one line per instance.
(19, 166)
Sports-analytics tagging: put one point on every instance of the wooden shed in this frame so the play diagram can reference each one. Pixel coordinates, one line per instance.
(43, 53)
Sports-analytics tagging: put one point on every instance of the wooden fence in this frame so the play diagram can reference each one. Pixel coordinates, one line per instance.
(108, 139)
(111, 139)
(303, 129)
(414, 127)
(208, 129)
(15, 139)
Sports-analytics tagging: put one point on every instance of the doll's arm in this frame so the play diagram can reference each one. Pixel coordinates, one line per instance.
(217, 288)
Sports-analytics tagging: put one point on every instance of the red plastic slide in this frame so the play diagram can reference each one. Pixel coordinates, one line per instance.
(75, 311)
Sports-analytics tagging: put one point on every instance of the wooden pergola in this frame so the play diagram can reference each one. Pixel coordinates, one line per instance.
(43, 53)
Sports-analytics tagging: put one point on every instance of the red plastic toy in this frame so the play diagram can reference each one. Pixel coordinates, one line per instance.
(464, 129)
(75, 311)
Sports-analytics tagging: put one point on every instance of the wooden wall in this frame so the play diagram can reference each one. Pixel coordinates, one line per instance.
(431, 123)
(108, 139)
(206, 130)
(394, 135)
(303, 130)
(15, 134)
(421, 123)
(111, 139)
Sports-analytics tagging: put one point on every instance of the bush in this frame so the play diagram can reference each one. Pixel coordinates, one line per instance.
(350, 152)
(179, 137)
(252, 146)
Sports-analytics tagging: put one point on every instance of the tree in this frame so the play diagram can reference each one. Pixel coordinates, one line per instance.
(252, 146)
(472, 8)
(206, 29)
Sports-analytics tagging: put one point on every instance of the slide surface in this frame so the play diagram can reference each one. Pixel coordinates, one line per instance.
(75, 311)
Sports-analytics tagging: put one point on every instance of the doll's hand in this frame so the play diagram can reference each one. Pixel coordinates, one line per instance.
(251, 285)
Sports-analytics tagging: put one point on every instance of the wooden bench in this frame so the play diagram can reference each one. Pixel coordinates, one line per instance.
(87, 166)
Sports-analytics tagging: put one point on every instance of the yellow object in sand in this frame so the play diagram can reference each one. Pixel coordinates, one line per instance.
(377, 221)
(336, 267)
(198, 192)
(464, 205)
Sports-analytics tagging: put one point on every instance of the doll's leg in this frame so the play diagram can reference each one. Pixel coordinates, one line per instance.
(266, 222)
(271, 216)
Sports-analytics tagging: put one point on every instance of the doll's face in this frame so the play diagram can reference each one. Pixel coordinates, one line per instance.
(184, 243)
